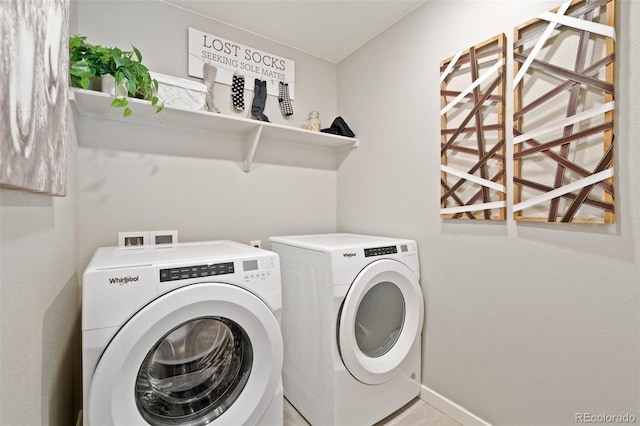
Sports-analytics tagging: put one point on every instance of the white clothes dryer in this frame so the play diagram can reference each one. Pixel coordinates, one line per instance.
(182, 334)
(351, 321)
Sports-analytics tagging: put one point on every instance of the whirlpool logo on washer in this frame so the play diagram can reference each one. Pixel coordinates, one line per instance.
(124, 280)
(349, 255)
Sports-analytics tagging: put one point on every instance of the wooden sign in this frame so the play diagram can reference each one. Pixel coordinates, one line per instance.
(230, 57)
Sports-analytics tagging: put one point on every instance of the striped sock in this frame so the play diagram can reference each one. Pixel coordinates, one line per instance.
(285, 100)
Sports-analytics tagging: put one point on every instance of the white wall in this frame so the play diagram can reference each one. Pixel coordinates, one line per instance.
(40, 376)
(40, 304)
(525, 323)
(201, 190)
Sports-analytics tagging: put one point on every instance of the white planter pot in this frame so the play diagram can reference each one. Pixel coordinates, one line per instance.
(109, 86)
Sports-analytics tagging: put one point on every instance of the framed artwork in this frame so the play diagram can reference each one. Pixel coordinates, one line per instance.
(472, 145)
(563, 114)
(34, 67)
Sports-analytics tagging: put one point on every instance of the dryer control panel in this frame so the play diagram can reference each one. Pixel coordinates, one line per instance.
(404, 250)
(380, 251)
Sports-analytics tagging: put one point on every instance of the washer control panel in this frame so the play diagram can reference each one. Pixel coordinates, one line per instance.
(248, 270)
(257, 268)
(197, 271)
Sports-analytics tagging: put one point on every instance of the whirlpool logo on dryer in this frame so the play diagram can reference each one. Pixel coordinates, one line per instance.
(348, 255)
(123, 280)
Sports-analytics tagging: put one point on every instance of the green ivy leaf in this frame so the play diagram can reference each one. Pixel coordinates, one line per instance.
(127, 112)
(119, 102)
(137, 52)
(80, 69)
(118, 59)
(118, 77)
(131, 86)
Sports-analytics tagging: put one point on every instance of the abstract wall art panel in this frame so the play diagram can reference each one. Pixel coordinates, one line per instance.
(34, 67)
(472, 146)
(563, 114)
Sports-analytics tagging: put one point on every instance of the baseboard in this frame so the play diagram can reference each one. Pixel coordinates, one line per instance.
(450, 408)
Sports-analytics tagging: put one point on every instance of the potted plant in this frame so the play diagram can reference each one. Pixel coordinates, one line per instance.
(87, 61)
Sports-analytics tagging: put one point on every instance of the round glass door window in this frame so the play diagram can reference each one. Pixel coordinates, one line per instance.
(379, 319)
(194, 372)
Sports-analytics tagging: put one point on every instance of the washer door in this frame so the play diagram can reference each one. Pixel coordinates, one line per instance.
(380, 320)
(206, 353)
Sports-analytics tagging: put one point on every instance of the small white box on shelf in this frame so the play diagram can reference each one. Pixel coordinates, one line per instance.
(181, 92)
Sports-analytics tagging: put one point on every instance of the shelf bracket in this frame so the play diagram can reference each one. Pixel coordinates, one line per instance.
(250, 146)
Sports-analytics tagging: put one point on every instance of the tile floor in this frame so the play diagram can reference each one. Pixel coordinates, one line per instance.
(415, 413)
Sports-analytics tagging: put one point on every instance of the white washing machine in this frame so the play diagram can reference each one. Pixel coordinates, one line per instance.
(352, 315)
(183, 334)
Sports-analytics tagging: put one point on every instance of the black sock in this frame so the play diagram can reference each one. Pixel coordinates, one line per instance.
(237, 92)
(259, 100)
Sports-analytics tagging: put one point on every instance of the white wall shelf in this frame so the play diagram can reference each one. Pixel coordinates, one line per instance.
(251, 132)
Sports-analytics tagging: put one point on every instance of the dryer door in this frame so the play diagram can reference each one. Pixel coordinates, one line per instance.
(204, 353)
(380, 320)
